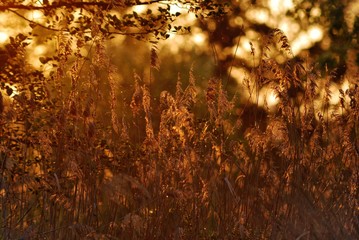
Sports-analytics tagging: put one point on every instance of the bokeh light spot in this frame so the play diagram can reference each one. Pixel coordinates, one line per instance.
(35, 15)
(3, 37)
(272, 99)
(140, 8)
(39, 50)
(259, 15)
(315, 33)
(199, 38)
(315, 12)
(280, 6)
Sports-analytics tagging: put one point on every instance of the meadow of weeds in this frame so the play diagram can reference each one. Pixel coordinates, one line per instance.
(80, 162)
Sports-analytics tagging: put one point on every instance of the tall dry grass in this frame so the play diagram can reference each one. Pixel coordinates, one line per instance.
(85, 164)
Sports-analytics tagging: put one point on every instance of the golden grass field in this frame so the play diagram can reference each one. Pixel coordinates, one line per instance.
(78, 162)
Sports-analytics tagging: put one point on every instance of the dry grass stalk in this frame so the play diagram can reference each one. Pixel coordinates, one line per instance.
(289, 174)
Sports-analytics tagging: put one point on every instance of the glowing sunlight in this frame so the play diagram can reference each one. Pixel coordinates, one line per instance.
(3, 37)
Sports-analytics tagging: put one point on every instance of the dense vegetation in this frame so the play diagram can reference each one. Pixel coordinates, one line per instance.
(82, 160)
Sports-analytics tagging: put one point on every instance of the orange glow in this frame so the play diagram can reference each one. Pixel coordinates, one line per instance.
(272, 99)
(35, 15)
(280, 6)
(140, 8)
(3, 37)
(259, 15)
(315, 33)
(199, 38)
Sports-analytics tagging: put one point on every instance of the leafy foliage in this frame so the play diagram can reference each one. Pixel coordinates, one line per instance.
(114, 17)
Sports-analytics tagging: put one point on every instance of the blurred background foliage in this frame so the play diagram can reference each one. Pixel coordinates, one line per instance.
(216, 37)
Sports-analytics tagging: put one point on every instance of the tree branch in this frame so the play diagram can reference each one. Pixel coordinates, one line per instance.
(66, 30)
(33, 22)
(61, 4)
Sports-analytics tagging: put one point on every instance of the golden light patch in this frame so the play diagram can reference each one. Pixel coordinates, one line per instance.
(108, 174)
(3, 37)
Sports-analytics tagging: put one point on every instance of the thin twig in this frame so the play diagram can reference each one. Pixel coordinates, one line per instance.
(231, 67)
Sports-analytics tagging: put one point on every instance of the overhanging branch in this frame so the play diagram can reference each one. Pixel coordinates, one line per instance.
(33, 22)
(61, 4)
(66, 30)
